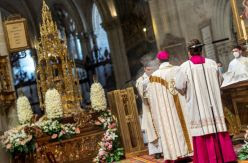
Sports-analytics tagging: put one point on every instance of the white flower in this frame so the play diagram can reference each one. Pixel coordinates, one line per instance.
(53, 104)
(24, 111)
(97, 97)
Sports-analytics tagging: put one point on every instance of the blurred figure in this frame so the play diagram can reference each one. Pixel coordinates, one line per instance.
(147, 122)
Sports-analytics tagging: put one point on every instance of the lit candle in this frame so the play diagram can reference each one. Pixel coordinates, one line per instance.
(243, 28)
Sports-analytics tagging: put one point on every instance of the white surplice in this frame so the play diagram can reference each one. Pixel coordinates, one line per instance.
(237, 71)
(154, 145)
(191, 81)
(164, 108)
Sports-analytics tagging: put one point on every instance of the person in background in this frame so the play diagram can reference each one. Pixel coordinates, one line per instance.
(147, 121)
(237, 69)
(220, 67)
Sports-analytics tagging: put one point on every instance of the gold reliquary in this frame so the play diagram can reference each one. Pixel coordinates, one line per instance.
(55, 67)
(7, 93)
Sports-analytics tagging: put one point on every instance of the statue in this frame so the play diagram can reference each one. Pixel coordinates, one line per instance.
(245, 12)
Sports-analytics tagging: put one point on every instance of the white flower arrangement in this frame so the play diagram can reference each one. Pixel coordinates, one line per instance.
(97, 97)
(53, 104)
(109, 146)
(16, 140)
(58, 130)
(24, 110)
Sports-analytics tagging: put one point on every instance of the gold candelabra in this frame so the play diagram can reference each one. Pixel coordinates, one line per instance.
(54, 66)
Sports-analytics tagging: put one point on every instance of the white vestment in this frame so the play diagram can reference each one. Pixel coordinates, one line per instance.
(147, 124)
(167, 106)
(191, 81)
(237, 71)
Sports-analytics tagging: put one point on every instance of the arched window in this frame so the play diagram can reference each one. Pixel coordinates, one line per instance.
(67, 28)
(24, 69)
(101, 51)
(99, 32)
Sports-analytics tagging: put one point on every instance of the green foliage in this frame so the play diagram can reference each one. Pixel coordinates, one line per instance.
(243, 153)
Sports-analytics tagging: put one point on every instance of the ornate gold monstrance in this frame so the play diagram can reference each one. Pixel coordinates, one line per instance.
(54, 66)
(55, 69)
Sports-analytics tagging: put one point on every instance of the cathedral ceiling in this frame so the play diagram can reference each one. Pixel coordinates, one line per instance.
(30, 9)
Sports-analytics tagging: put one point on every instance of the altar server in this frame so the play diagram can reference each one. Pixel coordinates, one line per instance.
(147, 122)
(238, 68)
(167, 107)
(198, 80)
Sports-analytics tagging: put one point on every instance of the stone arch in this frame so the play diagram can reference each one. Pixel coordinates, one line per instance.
(112, 26)
(104, 10)
(222, 19)
(82, 17)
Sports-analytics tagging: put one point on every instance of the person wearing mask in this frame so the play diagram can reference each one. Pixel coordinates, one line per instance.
(238, 68)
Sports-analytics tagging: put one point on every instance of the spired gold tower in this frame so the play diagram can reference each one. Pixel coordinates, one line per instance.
(54, 66)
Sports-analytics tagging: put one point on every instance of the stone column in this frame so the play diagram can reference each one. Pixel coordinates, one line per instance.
(159, 19)
(118, 52)
(84, 45)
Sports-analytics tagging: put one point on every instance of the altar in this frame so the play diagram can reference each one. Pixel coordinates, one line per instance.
(80, 148)
(65, 132)
(235, 103)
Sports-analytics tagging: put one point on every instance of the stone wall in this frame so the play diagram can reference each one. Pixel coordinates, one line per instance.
(185, 18)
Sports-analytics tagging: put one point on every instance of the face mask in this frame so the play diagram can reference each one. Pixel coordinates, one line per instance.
(236, 54)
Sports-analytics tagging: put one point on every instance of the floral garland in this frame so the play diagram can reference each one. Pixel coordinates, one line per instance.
(17, 140)
(97, 97)
(110, 150)
(24, 111)
(58, 130)
(53, 104)
(243, 153)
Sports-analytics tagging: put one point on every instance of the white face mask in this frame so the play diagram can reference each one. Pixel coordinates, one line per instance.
(236, 54)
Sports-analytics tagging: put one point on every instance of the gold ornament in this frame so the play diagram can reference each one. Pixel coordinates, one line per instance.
(171, 87)
(54, 66)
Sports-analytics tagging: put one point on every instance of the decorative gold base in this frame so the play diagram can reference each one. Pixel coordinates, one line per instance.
(235, 101)
(82, 148)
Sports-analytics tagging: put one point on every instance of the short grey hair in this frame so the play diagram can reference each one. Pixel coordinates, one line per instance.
(152, 63)
(147, 58)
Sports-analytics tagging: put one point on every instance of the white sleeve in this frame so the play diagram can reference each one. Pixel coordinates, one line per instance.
(230, 67)
(181, 82)
(139, 86)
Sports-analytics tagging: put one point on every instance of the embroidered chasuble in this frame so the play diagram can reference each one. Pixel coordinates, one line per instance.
(168, 108)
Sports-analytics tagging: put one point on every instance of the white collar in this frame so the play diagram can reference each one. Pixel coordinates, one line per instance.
(145, 75)
(165, 65)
